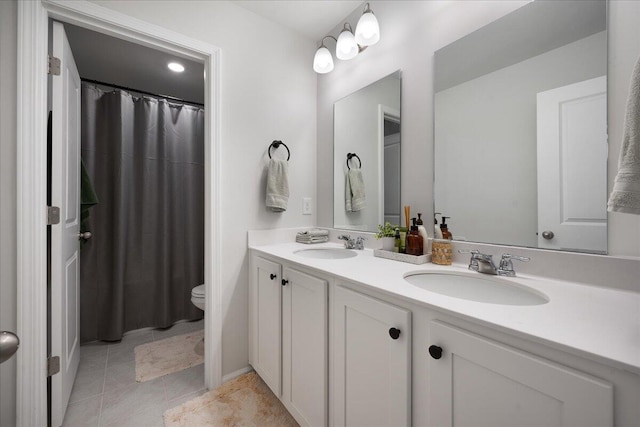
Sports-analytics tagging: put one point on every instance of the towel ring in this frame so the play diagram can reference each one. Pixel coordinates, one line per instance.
(276, 144)
(351, 156)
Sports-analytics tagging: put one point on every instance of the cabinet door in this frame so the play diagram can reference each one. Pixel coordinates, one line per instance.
(304, 344)
(266, 331)
(371, 369)
(478, 382)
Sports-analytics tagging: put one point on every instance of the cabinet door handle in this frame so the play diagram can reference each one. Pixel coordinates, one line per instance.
(284, 282)
(273, 276)
(435, 351)
(394, 333)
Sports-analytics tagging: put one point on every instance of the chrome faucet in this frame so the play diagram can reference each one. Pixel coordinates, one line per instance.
(506, 266)
(350, 243)
(360, 243)
(483, 263)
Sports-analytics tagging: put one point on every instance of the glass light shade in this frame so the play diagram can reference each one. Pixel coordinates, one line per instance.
(346, 48)
(367, 30)
(322, 61)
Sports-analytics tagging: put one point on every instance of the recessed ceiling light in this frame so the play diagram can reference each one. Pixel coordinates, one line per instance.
(174, 66)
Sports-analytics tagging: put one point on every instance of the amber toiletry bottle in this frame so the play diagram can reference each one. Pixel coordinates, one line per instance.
(446, 234)
(414, 240)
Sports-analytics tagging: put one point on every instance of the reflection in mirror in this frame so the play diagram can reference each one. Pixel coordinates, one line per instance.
(367, 187)
(520, 129)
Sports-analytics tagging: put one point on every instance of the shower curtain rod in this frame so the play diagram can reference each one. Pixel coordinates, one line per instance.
(169, 98)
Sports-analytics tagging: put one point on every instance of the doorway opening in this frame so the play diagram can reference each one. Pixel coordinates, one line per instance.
(32, 126)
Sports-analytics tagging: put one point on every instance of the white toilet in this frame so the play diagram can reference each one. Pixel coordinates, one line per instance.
(197, 297)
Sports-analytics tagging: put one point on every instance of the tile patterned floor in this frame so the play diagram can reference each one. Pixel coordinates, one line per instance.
(106, 394)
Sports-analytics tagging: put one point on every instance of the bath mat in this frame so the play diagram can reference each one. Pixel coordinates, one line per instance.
(244, 401)
(163, 357)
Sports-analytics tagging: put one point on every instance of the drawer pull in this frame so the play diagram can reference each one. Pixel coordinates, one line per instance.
(435, 351)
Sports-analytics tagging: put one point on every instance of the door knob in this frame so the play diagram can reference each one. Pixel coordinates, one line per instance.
(272, 276)
(85, 236)
(9, 343)
(435, 351)
(284, 282)
(547, 234)
(394, 333)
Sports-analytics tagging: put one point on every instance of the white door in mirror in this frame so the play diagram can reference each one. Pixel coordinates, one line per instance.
(572, 167)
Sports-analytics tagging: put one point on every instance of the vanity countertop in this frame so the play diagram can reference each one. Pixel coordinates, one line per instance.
(602, 324)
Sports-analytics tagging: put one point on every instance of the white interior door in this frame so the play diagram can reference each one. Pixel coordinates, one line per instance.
(572, 167)
(391, 178)
(65, 185)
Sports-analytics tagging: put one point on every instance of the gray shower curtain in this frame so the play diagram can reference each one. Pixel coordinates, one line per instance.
(145, 157)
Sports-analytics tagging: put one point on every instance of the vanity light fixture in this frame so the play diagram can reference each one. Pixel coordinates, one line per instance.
(348, 45)
(322, 61)
(174, 66)
(367, 30)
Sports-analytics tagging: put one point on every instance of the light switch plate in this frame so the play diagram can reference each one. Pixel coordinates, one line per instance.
(306, 206)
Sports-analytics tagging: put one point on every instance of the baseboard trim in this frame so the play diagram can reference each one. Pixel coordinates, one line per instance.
(236, 374)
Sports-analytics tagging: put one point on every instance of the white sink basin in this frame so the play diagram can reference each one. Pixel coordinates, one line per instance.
(326, 253)
(477, 287)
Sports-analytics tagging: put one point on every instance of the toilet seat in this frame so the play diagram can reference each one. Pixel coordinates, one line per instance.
(198, 296)
(198, 291)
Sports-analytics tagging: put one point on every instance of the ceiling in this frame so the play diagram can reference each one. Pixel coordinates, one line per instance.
(313, 19)
(111, 60)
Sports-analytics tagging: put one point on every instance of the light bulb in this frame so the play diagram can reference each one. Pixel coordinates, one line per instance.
(346, 48)
(322, 61)
(367, 30)
(174, 66)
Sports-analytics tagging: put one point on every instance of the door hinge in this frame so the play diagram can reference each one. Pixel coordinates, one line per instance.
(54, 66)
(53, 215)
(53, 365)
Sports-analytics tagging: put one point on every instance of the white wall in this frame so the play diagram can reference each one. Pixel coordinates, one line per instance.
(8, 39)
(486, 127)
(357, 130)
(411, 32)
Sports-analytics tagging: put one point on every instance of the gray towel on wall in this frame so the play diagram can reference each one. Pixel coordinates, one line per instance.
(355, 199)
(277, 185)
(625, 196)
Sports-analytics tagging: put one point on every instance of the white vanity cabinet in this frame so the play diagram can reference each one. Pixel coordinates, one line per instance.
(289, 334)
(266, 322)
(371, 359)
(480, 382)
(304, 347)
(348, 346)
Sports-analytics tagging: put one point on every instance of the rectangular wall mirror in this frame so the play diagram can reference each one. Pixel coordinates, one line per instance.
(366, 147)
(520, 129)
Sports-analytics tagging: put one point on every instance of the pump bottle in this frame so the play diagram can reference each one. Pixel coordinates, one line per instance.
(414, 240)
(423, 233)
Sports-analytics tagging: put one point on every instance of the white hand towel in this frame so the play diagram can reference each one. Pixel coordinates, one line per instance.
(314, 232)
(625, 196)
(355, 197)
(277, 185)
(347, 193)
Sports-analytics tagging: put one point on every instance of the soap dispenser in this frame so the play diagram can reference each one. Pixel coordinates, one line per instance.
(414, 240)
(423, 233)
(437, 233)
(446, 234)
